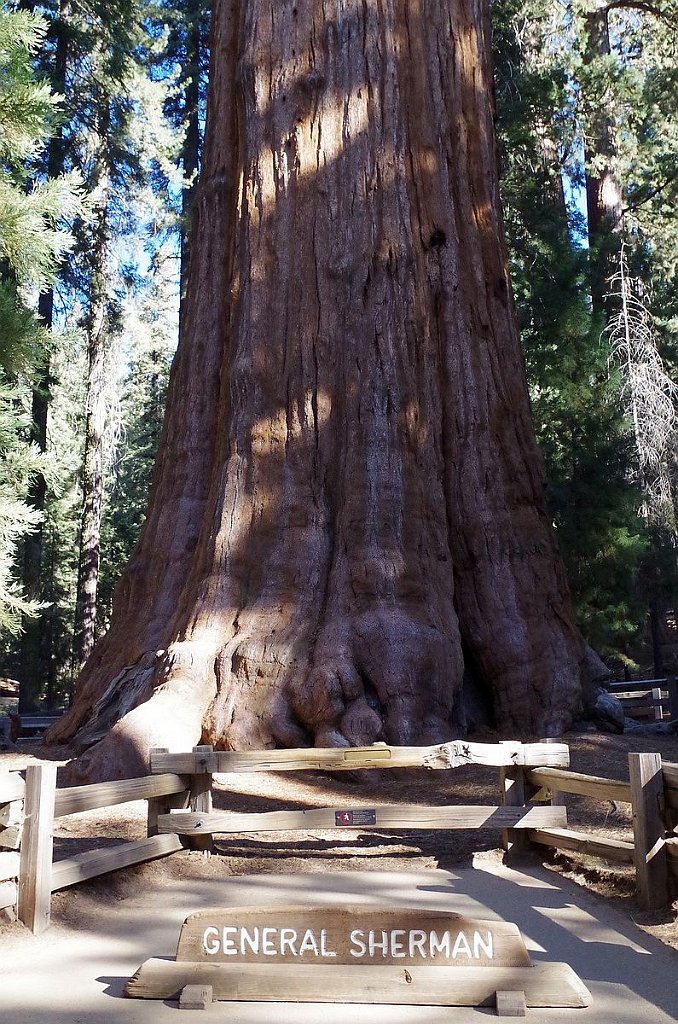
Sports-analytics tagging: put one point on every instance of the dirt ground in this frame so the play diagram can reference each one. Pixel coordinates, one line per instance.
(324, 851)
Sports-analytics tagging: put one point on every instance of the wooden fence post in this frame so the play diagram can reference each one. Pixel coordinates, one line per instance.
(557, 797)
(516, 841)
(647, 796)
(163, 804)
(35, 863)
(672, 690)
(157, 804)
(201, 797)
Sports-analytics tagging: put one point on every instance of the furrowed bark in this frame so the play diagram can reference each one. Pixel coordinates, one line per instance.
(348, 499)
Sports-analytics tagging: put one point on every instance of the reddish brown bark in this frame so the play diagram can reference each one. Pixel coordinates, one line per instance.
(347, 505)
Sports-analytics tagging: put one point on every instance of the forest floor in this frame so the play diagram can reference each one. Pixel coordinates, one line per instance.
(324, 851)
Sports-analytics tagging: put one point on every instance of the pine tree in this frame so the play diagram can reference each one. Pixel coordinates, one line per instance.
(114, 132)
(31, 247)
(149, 336)
(186, 24)
(578, 420)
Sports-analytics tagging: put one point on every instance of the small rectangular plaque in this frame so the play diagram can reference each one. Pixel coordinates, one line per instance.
(358, 817)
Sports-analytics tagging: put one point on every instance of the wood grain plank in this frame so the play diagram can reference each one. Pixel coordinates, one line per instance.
(106, 794)
(12, 787)
(384, 818)
(8, 895)
(405, 936)
(11, 814)
(595, 846)
(670, 774)
(672, 852)
(443, 756)
(511, 1004)
(9, 866)
(593, 786)
(101, 862)
(628, 684)
(201, 798)
(544, 985)
(35, 870)
(512, 781)
(10, 838)
(647, 791)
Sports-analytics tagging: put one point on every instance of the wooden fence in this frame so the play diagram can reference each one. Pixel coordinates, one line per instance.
(654, 699)
(533, 779)
(652, 791)
(28, 877)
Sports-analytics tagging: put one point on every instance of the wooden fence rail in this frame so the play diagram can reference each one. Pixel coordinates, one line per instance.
(178, 793)
(380, 755)
(647, 698)
(12, 790)
(107, 794)
(652, 791)
(28, 876)
(12, 787)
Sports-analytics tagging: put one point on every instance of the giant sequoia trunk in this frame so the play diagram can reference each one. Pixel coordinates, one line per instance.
(347, 508)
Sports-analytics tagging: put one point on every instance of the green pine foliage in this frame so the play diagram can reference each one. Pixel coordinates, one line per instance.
(113, 131)
(32, 243)
(579, 422)
(150, 329)
(62, 513)
(27, 106)
(19, 462)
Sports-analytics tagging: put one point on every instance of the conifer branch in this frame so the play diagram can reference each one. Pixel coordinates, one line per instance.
(637, 5)
(648, 394)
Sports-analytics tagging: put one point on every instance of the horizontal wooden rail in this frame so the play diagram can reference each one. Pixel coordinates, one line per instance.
(12, 787)
(595, 846)
(385, 818)
(579, 785)
(443, 756)
(670, 780)
(107, 794)
(9, 866)
(622, 685)
(8, 894)
(100, 862)
(671, 799)
(670, 775)
(647, 698)
(672, 851)
(36, 723)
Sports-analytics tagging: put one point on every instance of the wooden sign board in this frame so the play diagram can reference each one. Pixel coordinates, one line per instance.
(355, 955)
(334, 935)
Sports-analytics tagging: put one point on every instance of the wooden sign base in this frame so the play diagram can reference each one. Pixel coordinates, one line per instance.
(356, 955)
(543, 984)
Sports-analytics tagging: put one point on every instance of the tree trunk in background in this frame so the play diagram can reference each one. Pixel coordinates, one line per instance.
(190, 151)
(603, 189)
(34, 657)
(98, 343)
(36, 666)
(347, 507)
